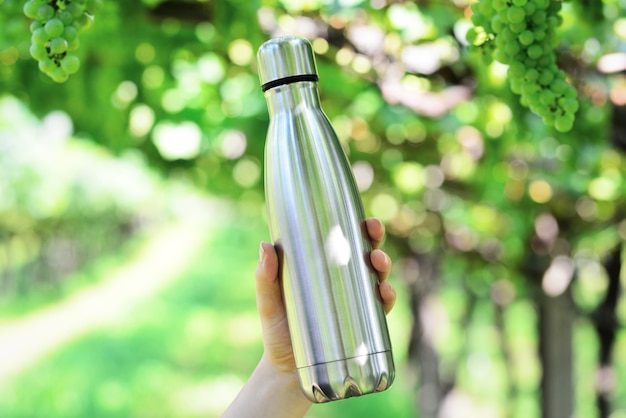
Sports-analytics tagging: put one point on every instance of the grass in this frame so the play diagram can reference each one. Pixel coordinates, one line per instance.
(16, 304)
(184, 353)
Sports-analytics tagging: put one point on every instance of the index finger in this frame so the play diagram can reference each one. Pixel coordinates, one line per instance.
(376, 231)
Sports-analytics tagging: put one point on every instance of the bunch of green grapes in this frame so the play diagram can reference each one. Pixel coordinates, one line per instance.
(522, 34)
(55, 30)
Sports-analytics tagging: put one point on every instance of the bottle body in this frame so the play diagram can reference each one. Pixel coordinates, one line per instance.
(336, 319)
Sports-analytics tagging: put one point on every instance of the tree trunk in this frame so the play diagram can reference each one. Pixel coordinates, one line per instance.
(422, 354)
(556, 317)
(605, 322)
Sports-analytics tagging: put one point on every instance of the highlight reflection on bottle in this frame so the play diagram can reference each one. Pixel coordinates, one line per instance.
(336, 319)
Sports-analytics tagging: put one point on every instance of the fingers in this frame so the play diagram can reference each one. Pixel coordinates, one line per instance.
(376, 231)
(269, 297)
(268, 294)
(381, 263)
(388, 295)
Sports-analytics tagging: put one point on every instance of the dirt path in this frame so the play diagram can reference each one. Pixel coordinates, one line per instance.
(28, 339)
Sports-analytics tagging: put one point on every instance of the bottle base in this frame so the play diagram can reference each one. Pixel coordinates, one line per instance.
(346, 378)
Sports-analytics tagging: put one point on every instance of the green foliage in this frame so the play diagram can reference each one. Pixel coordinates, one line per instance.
(66, 203)
(445, 153)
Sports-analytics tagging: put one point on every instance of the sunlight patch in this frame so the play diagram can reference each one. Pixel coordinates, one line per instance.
(210, 397)
(177, 141)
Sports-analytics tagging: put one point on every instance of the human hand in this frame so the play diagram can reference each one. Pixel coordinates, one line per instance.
(273, 390)
(277, 341)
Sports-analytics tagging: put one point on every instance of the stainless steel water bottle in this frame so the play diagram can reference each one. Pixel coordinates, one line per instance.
(336, 318)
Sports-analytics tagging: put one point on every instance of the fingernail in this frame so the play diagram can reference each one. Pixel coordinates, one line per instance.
(261, 254)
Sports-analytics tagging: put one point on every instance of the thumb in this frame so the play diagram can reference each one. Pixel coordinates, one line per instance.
(268, 292)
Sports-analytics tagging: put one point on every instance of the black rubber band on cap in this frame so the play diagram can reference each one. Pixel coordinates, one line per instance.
(289, 80)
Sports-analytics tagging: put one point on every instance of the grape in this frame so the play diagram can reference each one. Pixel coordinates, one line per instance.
(539, 17)
(534, 51)
(518, 27)
(516, 83)
(472, 36)
(483, 7)
(507, 35)
(497, 25)
(31, 9)
(74, 9)
(526, 38)
(555, 6)
(530, 8)
(83, 22)
(36, 24)
(546, 78)
(546, 97)
(539, 34)
(93, 6)
(73, 45)
(531, 74)
(66, 18)
(502, 56)
(499, 5)
(533, 102)
(55, 28)
(70, 64)
(45, 12)
(512, 48)
(530, 63)
(39, 37)
(69, 33)
(545, 61)
(46, 65)
(546, 115)
(58, 46)
(59, 75)
(560, 86)
(522, 34)
(515, 15)
(529, 88)
(38, 52)
(563, 123)
(569, 105)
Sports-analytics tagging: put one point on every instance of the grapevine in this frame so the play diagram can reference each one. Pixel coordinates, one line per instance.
(522, 34)
(590, 11)
(54, 33)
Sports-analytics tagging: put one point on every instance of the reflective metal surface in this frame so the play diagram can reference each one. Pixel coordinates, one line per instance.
(285, 57)
(346, 378)
(336, 319)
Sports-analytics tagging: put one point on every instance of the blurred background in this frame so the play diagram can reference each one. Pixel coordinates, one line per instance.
(132, 206)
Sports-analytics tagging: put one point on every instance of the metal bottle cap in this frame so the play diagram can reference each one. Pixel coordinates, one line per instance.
(286, 60)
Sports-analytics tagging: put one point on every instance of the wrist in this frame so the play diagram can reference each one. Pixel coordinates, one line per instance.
(286, 377)
(283, 381)
(269, 393)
